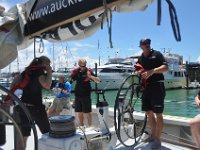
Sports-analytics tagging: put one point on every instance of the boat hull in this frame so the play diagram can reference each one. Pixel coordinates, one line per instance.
(113, 81)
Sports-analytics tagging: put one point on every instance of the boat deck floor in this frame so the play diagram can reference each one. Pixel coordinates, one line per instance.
(141, 146)
(147, 146)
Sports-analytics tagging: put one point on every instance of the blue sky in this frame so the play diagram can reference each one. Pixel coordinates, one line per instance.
(129, 28)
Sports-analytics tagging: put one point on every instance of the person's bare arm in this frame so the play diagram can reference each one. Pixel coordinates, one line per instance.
(95, 79)
(15, 81)
(161, 69)
(65, 91)
(46, 80)
(197, 101)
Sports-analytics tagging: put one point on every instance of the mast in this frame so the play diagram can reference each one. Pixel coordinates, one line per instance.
(17, 63)
(99, 54)
(53, 57)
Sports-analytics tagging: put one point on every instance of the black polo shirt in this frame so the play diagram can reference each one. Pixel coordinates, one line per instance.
(154, 60)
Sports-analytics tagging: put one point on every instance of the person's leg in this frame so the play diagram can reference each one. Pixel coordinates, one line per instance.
(195, 130)
(158, 107)
(87, 109)
(49, 112)
(89, 118)
(41, 119)
(60, 105)
(21, 145)
(81, 118)
(57, 112)
(152, 123)
(78, 110)
(25, 127)
(51, 109)
(147, 107)
(158, 129)
(159, 125)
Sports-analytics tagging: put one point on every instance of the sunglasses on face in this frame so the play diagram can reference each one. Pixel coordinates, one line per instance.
(82, 66)
(145, 44)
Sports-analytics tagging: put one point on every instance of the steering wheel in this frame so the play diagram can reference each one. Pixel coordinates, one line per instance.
(129, 121)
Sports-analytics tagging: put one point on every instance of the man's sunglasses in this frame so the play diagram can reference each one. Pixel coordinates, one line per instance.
(82, 66)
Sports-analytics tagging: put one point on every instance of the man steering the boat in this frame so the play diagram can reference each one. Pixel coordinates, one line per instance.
(154, 65)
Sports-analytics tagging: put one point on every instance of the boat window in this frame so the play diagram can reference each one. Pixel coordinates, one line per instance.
(109, 70)
(179, 74)
(130, 71)
(62, 70)
(175, 74)
(184, 74)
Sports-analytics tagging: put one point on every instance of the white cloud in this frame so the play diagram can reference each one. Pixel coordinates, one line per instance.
(130, 49)
(84, 45)
(5, 4)
(62, 57)
(198, 59)
(74, 49)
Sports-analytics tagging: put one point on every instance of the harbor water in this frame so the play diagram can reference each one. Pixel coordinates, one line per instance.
(179, 102)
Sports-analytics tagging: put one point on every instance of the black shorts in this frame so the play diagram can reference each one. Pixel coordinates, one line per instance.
(39, 116)
(83, 104)
(153, 97)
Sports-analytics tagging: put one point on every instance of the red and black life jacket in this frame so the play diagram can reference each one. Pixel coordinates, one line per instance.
(25, 79)
(75, 71)
(139, 67)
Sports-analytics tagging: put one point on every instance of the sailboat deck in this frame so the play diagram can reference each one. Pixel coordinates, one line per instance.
(141, 146)
(166, 145)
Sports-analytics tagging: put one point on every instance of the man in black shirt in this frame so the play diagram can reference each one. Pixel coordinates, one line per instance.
(82, 75)
(154, 65)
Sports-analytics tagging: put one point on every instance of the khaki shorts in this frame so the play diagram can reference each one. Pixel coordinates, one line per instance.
(60, 103)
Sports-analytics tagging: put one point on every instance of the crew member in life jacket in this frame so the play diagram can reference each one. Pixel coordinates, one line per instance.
(35, 77)
(83, 75)
(153, 66)
(62, 91)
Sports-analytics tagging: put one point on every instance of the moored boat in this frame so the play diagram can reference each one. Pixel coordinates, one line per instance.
(115, 71)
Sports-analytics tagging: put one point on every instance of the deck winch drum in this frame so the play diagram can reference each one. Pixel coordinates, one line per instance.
(62, 126)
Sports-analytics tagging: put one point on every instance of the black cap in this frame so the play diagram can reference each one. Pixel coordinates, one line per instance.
(145, 41)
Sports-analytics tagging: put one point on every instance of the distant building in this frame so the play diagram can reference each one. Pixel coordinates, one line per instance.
(194, 71)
